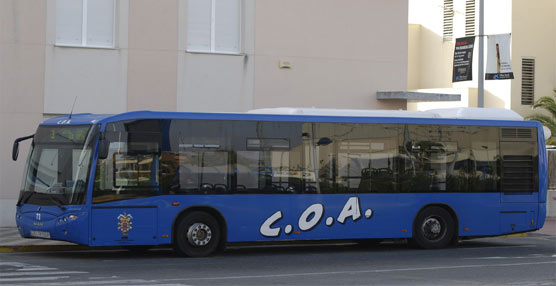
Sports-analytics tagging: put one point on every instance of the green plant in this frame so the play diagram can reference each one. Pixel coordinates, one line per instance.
(549, 104)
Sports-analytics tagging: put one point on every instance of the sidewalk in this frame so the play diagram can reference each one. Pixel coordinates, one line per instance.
(549, 227)
(10, 241)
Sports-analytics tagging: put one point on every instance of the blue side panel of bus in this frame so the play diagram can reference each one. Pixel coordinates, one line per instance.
(543, 177)
(391, 216)
(124, 226)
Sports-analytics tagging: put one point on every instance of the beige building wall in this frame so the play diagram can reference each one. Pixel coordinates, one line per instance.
(216, 82)
(341, 53)
(533, 29)
(153, 55)
(414, 62)
(22, 40)
(429, 53)
(534, 37)
(97, 77)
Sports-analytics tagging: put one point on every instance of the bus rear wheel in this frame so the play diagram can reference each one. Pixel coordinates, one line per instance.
(197, 235)
(433, 228)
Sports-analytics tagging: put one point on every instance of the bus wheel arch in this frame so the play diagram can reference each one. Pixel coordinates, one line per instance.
(435, 225)
(203, 213)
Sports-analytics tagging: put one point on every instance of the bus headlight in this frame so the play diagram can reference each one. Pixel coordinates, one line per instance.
(72, 217)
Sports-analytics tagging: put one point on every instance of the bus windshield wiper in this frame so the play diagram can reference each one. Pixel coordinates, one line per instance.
(57, 202)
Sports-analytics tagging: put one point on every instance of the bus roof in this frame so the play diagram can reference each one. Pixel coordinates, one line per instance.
(463, 116)
(453, 113)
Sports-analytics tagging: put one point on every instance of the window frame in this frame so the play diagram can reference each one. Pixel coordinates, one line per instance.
(84, 30)
(213, 33)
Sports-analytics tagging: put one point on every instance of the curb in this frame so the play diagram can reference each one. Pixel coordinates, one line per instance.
(513, 235)
(34, 248)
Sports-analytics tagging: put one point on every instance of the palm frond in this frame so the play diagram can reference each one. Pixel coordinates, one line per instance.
(549, 104)
(546, 103)
(544, 120)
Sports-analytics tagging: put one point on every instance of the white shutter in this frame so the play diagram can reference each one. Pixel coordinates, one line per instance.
(100, 23)
(448, 27)
(469, 18)
(69, 18)
(227, 26)
(199, 16)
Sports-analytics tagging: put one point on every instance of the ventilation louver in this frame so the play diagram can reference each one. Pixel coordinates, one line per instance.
(527, 81)
(517, 175)
(516, 133)
(448, 27)
(470, 18)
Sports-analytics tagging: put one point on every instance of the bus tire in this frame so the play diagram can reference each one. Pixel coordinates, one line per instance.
(198, 234)
(433, 228)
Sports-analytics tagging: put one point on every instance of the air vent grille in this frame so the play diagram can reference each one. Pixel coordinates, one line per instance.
(517, 133)
(470, 18)
(527, 81)
(518, 174)
(448, 27)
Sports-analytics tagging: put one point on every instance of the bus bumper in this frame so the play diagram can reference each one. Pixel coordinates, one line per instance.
(47, 222)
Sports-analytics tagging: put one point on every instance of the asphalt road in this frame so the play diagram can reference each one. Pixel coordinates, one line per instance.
(491, 261)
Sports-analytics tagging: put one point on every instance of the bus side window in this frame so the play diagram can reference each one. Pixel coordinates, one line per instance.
(132, 167)
(358, 158)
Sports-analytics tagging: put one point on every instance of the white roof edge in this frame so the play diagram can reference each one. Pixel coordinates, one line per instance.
(344, 112)
(477, 113)
(454, 113)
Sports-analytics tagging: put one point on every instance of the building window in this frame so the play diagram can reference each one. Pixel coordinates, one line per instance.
(448, 27)
(214, 26)
(87, 23)
(527, 81)
(469, 18)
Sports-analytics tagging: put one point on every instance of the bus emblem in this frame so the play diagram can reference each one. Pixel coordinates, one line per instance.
(124, 223)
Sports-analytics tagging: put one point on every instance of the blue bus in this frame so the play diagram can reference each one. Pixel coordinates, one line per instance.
(198, 181)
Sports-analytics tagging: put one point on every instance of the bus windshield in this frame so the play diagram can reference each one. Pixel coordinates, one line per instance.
(58, 165)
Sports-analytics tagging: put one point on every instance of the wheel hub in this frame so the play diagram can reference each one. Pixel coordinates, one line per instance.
(199, 234)
(432, 229)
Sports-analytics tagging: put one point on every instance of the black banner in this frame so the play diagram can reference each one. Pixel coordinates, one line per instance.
(463, 59)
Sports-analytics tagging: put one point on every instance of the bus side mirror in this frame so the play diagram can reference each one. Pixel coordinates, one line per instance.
(15, 151)
(103, 146)
(15, 148)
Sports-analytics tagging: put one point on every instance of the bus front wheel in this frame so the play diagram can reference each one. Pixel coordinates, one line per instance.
(198, 234)
(434, 227)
